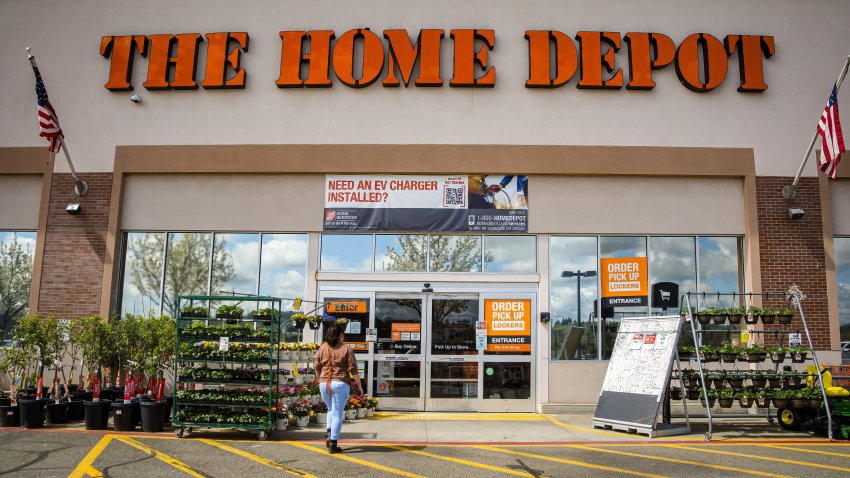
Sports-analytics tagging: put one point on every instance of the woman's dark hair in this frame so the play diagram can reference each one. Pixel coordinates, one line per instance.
(333, 336)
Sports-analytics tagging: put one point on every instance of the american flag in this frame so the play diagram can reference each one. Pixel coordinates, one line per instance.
(47, 119)
(829, 129)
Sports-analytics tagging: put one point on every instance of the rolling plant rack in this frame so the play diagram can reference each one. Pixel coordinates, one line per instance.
(794, 297)
(253, 333)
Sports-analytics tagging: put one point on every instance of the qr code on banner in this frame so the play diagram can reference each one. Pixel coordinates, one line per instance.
(454, 197)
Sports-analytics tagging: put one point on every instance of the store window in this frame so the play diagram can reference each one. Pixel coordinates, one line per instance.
(507, 380)
(579, 325)
(460, 253)
(346, 252)
(842, 272)
(16, 259)
(510, 254)
(160, 266)
(401, 252)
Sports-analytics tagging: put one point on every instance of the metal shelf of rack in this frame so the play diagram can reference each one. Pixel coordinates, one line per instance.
(270, 384)
(697, 330)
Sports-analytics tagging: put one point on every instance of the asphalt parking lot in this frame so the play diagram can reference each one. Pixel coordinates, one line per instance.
(78, 453)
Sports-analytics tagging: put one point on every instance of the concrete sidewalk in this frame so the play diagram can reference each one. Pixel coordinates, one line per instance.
(523, 428)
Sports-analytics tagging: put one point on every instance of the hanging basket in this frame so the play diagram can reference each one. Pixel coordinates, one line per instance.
(751, 319)
(314, 325)
(734, 319)
(786, 319)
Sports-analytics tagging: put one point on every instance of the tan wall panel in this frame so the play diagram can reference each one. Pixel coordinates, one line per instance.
(21, 197)
(619, 204)
(576, 381)
(269, 202)
(839, 192)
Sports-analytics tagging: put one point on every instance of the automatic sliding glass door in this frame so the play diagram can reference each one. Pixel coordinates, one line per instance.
(398, 356)
(451, 356)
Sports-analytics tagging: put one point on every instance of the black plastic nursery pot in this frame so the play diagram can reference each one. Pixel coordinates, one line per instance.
(122, 418)
(32, 413)
(80, 395)
(76, 411)
(10, 416)
(57, 413)
(152, 416)
(97, 414)
(5, 401)
(166, 411)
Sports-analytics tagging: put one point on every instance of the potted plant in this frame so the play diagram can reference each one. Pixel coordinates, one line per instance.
(777, 353)
(328, 319)
(350, 409)
(735, 314)
(301, 412)
(729, 353)
(371, 405)
(189, 311)
(758, 378)
(715, 377)
(780, 397)
(686, 352)
(718, 315)
(320, 411)
(768, 316)
(708, 353)
(798, 398)
(762, 398)
(33, 334)
(93, 337)
(282, 414)
(735, 380)
(798, 353)
(298, 320)
(745, 398)
(725, 397)
(755, 353)
(314, 321)
(231, 313)
(57, 335)
(159, 346)
(704, 316)
(814, 397)
(675, 393)
(15, 361)
(710, 396)
(774, 380)
(266, 315)
(786, 316)
(753, 315)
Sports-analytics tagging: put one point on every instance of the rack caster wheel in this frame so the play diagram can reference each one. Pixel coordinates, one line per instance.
(179, 433)
(770, 420)
(262, 435)
(707, 437)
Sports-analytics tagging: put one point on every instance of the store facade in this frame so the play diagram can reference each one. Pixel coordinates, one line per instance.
(227, 186)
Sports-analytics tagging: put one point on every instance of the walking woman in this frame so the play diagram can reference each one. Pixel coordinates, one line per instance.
(336, 367)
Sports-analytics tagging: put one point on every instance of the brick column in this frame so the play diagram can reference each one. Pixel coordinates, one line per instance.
(792, 252)
(75, 248)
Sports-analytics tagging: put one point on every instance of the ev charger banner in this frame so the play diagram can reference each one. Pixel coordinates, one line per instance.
(476, 203)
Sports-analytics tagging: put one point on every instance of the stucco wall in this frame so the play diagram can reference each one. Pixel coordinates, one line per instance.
(65, 36)
(20, 195)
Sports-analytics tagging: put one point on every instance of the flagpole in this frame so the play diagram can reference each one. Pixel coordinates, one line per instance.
(789, 191)
(80, 186)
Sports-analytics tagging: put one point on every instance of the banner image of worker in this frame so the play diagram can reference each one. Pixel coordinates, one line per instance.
(476, 203)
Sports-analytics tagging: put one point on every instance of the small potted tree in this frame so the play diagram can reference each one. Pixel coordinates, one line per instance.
(94, 339)
(31, 335)
(57, 334)
(14, 364)
(159, 335)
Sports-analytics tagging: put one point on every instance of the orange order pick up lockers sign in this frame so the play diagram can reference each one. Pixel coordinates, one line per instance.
(508, 325)
(623, 281)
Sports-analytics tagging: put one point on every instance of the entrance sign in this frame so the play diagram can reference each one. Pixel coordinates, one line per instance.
(637, 376)
(508, 325)
(477, 203)
(623, 281)
(349, 307)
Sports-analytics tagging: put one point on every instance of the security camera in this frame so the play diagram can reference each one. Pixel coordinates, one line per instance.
(73, 209)
(136, 98)
(427, 287)
(796, 212)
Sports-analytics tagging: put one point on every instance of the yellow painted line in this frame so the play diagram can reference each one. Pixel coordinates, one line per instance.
(86, 468)
(355, 460)
(462, 462)
(757, 457)
(676, 460)
(162, 456)
(258, 459)
(589, 430)
(510, 417)
(830, 453)
(569, 462)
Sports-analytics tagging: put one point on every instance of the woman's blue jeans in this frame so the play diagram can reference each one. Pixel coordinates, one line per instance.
(335, 400)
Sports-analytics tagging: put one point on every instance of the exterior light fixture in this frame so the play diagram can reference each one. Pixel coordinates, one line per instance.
(796, 213)
(73, 209)
(578, 275)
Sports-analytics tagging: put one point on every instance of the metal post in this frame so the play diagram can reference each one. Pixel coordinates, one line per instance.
(578, 297)
(796, 300)
(790, 191)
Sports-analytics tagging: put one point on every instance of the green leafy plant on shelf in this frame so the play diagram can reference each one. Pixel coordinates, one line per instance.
(229, 312)
(197, 311)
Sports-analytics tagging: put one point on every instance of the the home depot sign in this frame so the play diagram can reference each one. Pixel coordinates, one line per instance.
(307, 57)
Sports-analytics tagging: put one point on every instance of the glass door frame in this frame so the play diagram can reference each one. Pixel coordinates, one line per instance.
(448, 404)
(400, 403)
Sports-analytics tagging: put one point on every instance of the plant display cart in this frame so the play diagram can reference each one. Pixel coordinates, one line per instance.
(224, 366)
(751, 375)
